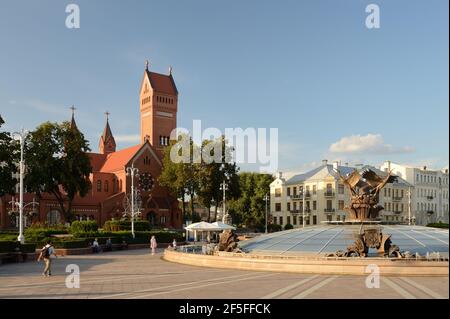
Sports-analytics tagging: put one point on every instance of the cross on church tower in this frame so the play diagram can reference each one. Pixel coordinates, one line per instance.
(107, 115)
(73, 125)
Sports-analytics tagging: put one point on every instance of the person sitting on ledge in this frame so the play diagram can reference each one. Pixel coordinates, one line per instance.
(108, 245)
(95, 246)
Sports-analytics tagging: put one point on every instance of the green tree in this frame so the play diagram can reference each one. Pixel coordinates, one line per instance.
(181, 178)
(249, 207)
(57, 163)
(8, 160)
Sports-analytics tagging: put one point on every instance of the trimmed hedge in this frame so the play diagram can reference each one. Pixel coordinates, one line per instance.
(438, 225)
(12, 246)
(288, 226)
(119, 225)
(274, 228)
(83, 226)
(41, 234)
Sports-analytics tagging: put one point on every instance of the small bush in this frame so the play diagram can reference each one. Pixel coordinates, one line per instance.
(438, 225)
(288, 226)
(83, 226)
(274, 228)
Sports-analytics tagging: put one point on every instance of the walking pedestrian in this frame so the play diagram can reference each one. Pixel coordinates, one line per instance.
(153, 244)
(46, 253)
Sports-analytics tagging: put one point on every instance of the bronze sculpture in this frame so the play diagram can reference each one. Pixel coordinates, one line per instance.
(365, 188)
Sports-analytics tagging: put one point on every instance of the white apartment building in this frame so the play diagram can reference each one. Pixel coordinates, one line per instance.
(430, 196)
(320, 197)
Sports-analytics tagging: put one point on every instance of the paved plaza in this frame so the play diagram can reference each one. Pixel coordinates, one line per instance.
(137, 274)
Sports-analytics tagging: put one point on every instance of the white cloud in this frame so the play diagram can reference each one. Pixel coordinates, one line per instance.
(130, 138)
(370, 143)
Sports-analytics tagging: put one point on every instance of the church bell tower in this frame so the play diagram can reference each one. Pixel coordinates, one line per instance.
(158, 107)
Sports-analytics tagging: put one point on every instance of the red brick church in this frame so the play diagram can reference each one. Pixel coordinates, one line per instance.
(110, 184)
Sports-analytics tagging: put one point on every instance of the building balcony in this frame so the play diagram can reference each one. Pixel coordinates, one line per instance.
(329, 210)
(296, 196)
(397, 198)
(328, 194)
(398, 212)
(430, 197)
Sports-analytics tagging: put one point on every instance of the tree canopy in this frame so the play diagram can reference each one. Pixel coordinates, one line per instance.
(57, 163)
(9, 158)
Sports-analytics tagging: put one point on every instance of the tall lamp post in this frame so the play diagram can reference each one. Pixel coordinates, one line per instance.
(132, 171)
(21, 136)
(409, 205)
(224, 188)
(266, 198)
(303, 207)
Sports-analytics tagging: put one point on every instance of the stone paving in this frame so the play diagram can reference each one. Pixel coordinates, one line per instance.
(137, 274)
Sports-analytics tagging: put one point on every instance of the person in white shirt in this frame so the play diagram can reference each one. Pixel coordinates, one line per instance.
(46, 252)
(174, 244)
(95, 246)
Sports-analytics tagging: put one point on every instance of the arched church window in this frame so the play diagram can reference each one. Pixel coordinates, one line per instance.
(120, 185)
(106, 186)
(99, 186)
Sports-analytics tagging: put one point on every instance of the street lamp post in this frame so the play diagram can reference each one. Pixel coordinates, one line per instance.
(21, 136)
(409, 206)
(303, 208)
(224, 188)
(266, 198)
(132, 171)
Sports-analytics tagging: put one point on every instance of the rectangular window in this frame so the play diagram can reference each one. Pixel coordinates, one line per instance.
(277, 192)
(294, 191)
(289, 219)
(329, 204)
(341, 189)
(281, 220)
(278, 207)
(289, 207)
(288, 191)
(338, 217)
(314, 220)
(341, 205)
(314, 205)
(295, 220)
(314, 189)
(274, 219)
(295, 206)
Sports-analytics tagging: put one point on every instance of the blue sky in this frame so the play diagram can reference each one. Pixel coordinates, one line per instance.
(332, 87)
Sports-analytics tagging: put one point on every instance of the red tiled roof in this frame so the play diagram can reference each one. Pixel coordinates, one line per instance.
(97, 161)
(117, 160)
(162, 83)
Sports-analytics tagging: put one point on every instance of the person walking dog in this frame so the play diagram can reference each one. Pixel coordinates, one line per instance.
(153, 244)
(46, 253)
